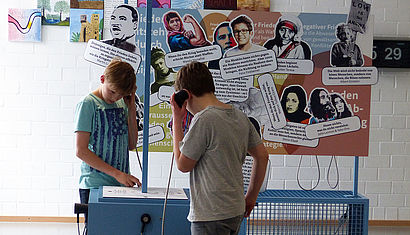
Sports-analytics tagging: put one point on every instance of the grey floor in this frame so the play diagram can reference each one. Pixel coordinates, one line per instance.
(71, 229)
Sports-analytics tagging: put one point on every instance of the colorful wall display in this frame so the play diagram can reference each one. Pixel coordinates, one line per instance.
(55, 12)
(123, 27)
(86, 24)
(24, 25)
(304, 101)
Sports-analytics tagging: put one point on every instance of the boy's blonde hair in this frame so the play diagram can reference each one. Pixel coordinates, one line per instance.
(121, 75)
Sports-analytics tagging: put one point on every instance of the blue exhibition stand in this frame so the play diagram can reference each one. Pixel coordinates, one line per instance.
(310, 212)
(122, 216)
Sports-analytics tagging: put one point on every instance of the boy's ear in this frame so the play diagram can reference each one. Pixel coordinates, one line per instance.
(189, 94)
(102, 79)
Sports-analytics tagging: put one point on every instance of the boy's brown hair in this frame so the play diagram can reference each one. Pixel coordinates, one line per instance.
(196, 78)
(121, 75)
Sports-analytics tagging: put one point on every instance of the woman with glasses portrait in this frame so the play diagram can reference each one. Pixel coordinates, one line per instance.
(242, 28)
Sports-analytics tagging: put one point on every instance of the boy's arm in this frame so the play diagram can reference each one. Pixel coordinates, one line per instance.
(184, 163)
(132, 121)
(260, 160)
(82, 152)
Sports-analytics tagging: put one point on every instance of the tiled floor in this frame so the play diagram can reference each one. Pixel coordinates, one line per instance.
(71, 229)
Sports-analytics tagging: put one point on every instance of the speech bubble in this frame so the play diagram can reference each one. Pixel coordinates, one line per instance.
(201, 54)
(334, 127)
(231, 90)
(154, 100)
(156, 133)
(349, 76)
(101, 54)
(292, 133)
(292, 66)
(165, 92)
(272, 101)
(248, 64)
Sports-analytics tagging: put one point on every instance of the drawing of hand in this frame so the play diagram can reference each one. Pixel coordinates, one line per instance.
(189, 34)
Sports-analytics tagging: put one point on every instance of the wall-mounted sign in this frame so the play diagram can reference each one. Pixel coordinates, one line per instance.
(307, 94)
(391, 54)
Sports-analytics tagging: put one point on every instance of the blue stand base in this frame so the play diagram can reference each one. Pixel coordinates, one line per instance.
(108, 216)
(308, 212)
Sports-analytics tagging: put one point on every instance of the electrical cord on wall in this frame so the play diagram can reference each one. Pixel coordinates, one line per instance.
(139, 160)
(186, 124)
(78, 224)
(318, 171)
(342, 221)
(80, 209)
(166, 195)
(337, 173)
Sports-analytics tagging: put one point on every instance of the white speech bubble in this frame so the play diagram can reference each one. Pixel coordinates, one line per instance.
(272, 101)
(231, 90)
(165, 92)
(292, 133)
(334, 127)
(201, 54)
(292, 66)
(101, 54)
(154, 100)
(156, 133)
(248, 64)
(349, 76)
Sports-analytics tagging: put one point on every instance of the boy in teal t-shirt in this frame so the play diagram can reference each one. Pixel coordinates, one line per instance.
(106, 129)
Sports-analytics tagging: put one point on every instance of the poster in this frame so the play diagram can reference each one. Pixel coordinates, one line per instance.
(86, 24)
(155, 3)
(24, 25)
(55, 12)
(304, 103)
(87, 4)
(253, 5)
(123, 28)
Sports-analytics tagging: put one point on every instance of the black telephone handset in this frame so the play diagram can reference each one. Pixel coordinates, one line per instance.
(180, 97)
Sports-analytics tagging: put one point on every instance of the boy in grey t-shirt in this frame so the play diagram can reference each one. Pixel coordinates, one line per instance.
(213, 151)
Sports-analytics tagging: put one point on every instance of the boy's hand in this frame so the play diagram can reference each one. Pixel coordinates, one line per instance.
(130, 99)
(177, 112)
(128, 180)
(249, 205)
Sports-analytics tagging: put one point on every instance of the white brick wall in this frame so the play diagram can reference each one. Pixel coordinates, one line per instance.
(42, 82)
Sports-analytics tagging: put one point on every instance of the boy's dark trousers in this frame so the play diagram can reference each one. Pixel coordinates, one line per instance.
(84, 197)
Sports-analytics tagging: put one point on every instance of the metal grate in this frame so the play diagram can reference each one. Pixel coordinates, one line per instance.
(308, 212)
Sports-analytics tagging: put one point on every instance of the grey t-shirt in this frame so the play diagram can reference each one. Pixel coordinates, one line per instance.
(218, 139)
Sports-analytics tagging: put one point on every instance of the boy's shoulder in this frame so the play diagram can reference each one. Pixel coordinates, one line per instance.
(86, 99)
(215, 111)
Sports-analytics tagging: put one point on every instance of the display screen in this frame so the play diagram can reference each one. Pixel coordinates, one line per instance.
(391, 54)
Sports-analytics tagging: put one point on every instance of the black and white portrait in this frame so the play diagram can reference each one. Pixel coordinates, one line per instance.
(346, 53)
(123, 28)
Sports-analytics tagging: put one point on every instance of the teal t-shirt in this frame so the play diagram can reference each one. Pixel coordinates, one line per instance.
(108, 127)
